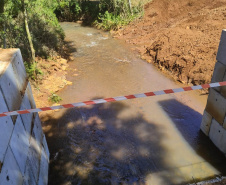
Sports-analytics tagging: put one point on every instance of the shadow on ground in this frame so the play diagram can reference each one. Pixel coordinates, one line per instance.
(92, 145)
(188, 121)
(70, 48)
(96, 145)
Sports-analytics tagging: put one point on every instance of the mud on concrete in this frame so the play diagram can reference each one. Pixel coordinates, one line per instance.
(180, 37)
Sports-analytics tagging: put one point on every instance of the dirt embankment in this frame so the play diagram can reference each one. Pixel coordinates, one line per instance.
(181, 37)
(51, 81)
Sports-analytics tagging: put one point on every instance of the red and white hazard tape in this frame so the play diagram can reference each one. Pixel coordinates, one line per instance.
(118, 98)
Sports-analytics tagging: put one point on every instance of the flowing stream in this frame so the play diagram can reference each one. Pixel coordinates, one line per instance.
(153, 140)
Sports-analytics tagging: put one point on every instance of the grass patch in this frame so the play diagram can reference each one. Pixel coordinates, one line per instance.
(32, 70)
(54, 98)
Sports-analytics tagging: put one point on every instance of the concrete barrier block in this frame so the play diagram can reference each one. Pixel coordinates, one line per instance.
(26, 118)
(8, 85)
(224, 124)
(6, 128)
(221, 54)
(34, 155)
(10, 173)
(44, 143)
(223, 88)
(216, 133)
(206, 122)
(216, 106)
(19, 70)
(44, 168)
(30, 96)
(6, 56)
(37, 130)
(218, 74)
(19, 144)
(223, 142)
(29, 178)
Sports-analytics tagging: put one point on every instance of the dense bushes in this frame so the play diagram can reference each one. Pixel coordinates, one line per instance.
(116, 13)
(46, 33)
(105, 14)
(73, 10)
(68, 10)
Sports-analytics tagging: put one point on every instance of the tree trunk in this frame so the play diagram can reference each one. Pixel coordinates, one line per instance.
(4, 37)
(2, 3)
(130, 6)
(28, 34)
(114, 6)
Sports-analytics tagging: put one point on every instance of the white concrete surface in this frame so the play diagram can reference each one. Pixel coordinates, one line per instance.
(30, 96)
(28, 175)
(223, 88)
(19, 70)
(6, 129)
(218, 74)
(20, 136)
(206, 122)
(10, 173)
(10, 89)
(34, 157)
(20, 143)
(46, 148)
(216, 106)
(37, 130)
(26, 118)
(224, 124)
(222, 48)
(216, 133)
(223, 142)
(44, 167)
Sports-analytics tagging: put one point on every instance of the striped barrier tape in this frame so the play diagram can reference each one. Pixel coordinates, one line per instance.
(118, 98)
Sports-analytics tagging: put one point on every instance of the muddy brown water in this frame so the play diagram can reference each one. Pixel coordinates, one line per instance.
(153, 140)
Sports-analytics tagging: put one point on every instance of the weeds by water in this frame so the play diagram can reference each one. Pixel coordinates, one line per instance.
(110, 21)
(118, 14)
(32, 70)
(54, 98)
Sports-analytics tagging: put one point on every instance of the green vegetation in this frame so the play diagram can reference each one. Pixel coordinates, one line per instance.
(105, 14)
(73, 10)
(69, 10)
(32, 70)
(117, 13)
(55, 98)
(31, 26)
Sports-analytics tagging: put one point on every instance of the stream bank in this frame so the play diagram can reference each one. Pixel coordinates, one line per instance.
(179, 37)
(51, 80)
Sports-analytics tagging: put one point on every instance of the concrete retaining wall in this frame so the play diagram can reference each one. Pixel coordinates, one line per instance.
(214, 116)
(24, 154)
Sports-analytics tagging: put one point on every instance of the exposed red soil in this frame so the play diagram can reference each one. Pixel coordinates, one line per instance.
(52, 80)
(181, 37)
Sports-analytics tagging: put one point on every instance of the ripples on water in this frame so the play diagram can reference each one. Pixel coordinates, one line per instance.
(122, 142)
